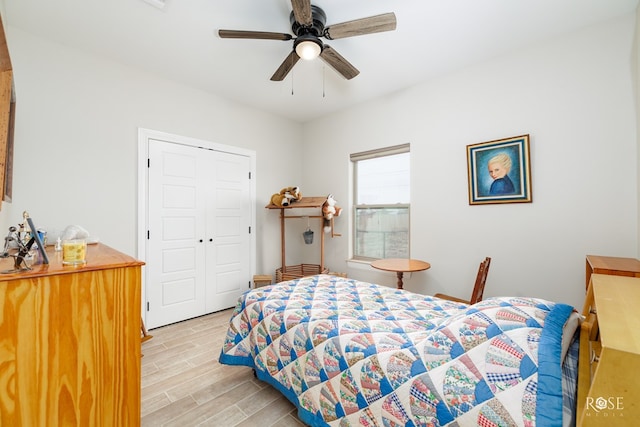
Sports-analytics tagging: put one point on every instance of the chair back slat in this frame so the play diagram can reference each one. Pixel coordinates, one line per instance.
(481, 279)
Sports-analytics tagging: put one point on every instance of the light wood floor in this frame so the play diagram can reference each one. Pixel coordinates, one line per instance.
(184, 385)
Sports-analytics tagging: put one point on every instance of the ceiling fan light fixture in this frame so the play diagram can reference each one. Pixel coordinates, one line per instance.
(308, 29)
(308, 48)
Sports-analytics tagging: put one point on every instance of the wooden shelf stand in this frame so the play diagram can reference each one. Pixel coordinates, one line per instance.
(304, 203)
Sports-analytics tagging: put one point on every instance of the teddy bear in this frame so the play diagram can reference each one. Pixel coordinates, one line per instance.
(329, 211)
(286, 196)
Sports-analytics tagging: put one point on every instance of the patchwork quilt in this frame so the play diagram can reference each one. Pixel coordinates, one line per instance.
(350, 353)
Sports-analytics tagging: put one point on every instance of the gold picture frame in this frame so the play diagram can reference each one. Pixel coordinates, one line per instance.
(499, 171)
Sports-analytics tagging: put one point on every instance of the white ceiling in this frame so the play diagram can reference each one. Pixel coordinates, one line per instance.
(180, 42)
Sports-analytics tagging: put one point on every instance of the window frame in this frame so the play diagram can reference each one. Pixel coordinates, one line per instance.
(367, 155)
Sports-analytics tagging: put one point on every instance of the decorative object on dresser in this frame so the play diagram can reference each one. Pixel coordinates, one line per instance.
(70, 339)
(20, 240)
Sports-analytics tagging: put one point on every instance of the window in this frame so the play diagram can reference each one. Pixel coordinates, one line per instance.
(381, 209)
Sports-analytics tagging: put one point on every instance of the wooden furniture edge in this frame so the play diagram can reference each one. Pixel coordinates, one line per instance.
(7, 96)
(584, 369)
(452, 298)
(304, 202)
(99, 257)
(608, 265)
(609, 352)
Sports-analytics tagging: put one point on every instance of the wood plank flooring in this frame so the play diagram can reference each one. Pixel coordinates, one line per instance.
(184, 385)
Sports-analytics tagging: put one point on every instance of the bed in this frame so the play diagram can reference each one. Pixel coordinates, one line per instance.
(351, 353)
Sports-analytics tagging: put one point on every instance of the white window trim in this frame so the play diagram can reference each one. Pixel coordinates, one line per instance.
(365, 155)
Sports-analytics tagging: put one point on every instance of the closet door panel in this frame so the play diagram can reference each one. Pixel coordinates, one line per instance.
(176, 251)
(228, 253)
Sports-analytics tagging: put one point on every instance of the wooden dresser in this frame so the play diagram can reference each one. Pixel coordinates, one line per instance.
(70, 342)
(609, 383)
(614, 266)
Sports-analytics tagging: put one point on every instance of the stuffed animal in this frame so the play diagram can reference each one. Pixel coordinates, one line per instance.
(296, 193)
(329, 211)
(286, 196)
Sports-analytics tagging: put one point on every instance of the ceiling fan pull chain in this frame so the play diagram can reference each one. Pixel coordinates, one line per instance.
(323, 92)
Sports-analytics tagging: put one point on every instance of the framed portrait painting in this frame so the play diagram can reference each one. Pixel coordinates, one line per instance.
(499, 171)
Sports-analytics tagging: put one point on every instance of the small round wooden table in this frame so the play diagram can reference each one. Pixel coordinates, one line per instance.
(400, 266)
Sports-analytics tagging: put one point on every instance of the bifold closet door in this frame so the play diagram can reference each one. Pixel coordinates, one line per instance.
(228, 251)
(198, 246)
(175, 281)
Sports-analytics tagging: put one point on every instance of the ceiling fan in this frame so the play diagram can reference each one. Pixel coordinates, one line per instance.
(308, 25)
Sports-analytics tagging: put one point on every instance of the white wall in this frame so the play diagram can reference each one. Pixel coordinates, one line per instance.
(78, 115)
(76, 133)
(574, 97)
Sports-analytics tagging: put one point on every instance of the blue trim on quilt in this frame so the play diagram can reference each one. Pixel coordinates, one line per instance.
(549, 394)
(236, 360)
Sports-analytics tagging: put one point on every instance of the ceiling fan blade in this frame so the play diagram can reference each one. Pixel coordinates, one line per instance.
(341, 65)
(359, 27)
(285, 67)
(262, 35)
(302, 11)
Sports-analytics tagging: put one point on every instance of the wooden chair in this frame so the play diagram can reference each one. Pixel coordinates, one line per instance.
(478, 288)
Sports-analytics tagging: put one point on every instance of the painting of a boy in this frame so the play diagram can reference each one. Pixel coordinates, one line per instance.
(499, 171)
(499, 168)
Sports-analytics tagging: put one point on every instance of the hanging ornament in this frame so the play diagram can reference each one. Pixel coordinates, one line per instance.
(308, 235)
